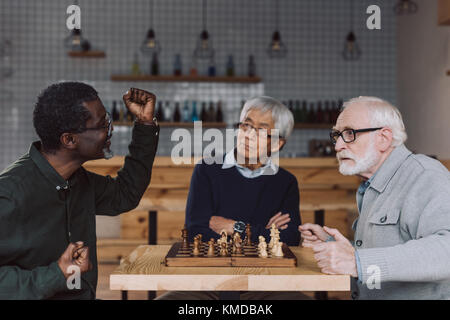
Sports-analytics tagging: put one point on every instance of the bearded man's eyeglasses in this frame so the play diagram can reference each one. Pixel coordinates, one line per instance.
(348, 135)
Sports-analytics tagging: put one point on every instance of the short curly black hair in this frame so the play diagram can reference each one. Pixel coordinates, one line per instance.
(60, 109)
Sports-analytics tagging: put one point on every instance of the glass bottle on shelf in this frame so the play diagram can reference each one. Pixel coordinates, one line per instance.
(193, 69)
(135, 69)
(251, 66)
(340, 103)
(186, 117)
(304, 112)
(311, 113)
(203, 114)
(211, 115)
(154, 69)
(114, 111)
(219, 114)
(211, 68)
(297, 112)
(176, 113)
(319, 112)
(177, 67)
(327, 112)
(121, 115)
(159, 112)
(291, 106)
(230, 66)
(194, 115)
(167, 111)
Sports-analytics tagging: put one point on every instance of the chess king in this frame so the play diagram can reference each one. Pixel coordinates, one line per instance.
(247, 188)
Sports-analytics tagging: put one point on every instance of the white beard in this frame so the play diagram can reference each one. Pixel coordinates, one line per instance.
(370, 159)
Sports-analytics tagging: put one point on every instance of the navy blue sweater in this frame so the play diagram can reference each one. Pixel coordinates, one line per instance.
(225, 192)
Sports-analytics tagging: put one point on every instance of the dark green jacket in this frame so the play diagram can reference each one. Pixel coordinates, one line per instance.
(40, 213)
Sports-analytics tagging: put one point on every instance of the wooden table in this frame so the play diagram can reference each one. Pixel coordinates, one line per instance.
(144, 269)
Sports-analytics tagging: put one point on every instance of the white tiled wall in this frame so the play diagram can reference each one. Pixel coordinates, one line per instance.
(314, 31)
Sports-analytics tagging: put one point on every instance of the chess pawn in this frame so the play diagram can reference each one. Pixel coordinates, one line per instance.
(196, 251)
(262, 247)
(279, 250)
(211, 252)
(199, 238)
(262, 241)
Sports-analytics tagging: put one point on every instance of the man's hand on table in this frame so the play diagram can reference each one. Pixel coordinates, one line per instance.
(217, 224)
(333, 257)
(75, 255)
(312, 234)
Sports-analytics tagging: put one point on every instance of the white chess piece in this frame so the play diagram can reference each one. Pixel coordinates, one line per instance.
(273, 230)
(279, 250)
(263, 253)
(276, 241)
(262, 247)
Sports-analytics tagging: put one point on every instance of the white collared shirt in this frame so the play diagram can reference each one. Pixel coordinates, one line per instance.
(268, 169)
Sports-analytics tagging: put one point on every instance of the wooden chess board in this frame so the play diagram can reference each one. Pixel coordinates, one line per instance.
(178, 257)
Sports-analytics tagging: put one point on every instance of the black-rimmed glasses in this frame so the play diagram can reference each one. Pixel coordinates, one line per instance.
(106, 125)
(244, 126)
(348, 135)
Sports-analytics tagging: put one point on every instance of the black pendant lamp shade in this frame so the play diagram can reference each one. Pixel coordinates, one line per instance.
(204, 46)
(276, 49)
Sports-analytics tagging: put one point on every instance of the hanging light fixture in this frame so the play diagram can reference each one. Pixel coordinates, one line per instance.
(204, 48)
(151, 45)
(6, 69)
(276, 48)
(75, 41)
(405, 7)
(351, 52)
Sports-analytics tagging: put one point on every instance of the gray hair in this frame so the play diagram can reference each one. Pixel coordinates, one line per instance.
(281, 115)
(383, 114)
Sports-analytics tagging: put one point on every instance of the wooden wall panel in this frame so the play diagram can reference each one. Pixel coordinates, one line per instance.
(444, 12)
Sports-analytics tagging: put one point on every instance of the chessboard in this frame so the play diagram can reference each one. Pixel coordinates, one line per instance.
(179, 257)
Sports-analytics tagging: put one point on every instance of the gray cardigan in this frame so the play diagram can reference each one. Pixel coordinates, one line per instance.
(404, 230)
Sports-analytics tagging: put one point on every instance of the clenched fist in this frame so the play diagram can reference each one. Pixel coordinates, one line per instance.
(76, 254)
(141, 104)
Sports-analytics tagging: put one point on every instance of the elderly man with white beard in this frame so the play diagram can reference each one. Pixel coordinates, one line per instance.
(402, 234)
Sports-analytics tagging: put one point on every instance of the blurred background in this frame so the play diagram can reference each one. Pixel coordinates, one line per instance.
(204, 58)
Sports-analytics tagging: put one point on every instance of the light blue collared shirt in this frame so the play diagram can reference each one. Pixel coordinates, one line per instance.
(269, 168)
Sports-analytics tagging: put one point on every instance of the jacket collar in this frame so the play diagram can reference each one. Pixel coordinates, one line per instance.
(389, 167)
(47, 170)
